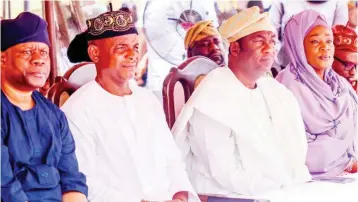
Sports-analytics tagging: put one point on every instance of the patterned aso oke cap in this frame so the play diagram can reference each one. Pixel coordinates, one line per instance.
(110, 24)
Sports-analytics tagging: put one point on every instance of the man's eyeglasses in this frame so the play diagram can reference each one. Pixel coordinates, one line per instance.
(348, 66)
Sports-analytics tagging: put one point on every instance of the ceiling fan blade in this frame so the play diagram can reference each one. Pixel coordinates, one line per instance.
(166, 23)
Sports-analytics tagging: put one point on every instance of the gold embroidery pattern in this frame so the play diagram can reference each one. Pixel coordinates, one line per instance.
(341, 40)
(345, 38)
(111, 21)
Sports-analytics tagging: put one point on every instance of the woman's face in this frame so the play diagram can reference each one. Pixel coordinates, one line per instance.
(319, 48)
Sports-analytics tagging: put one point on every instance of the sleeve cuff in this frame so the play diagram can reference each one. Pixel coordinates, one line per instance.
(75, 188)
(14, 193)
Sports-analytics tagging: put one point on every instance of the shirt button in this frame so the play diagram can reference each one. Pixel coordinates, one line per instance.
(45, 174)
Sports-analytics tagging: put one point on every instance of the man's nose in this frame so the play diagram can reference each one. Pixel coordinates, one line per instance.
(132, 55)
(269, 48)
(214, 46)
(353, 71)
(37, 59)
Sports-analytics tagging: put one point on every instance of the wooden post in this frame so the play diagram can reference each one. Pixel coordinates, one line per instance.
(50, 18)
(62, 25)
(9, 9)
(78, 15)
(4, 9)
(26, 5)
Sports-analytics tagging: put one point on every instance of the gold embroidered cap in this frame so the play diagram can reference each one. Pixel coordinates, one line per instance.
(111, 24)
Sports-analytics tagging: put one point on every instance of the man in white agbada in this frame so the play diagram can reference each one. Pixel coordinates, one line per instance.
(124, 146)
(241, 133)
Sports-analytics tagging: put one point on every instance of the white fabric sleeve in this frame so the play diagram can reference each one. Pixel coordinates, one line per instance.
(179, 180)
(87, 160)
(355, 143)
(225, 166)
(341, 13)
(301, 173)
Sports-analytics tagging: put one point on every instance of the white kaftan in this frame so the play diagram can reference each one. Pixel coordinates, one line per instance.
(124, 146)
(239, 141)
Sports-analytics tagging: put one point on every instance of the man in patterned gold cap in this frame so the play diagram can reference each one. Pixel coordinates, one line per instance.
(242, 133)
(124, 145)
(204, 39)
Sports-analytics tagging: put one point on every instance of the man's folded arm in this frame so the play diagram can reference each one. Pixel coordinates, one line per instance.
(72, 180)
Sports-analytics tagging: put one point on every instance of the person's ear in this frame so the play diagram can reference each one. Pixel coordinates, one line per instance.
(93, 52)
(234, 48)
(4, 56)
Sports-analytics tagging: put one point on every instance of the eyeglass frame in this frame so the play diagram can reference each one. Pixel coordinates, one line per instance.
(345, 64)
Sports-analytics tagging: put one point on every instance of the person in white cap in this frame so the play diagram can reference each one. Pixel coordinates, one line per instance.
(242, 133)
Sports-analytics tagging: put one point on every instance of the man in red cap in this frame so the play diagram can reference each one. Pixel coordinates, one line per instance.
(346, 54)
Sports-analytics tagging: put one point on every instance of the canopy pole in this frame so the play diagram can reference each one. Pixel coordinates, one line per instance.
(4, 9)
(9, 9)
(26, 5)
(50, 18)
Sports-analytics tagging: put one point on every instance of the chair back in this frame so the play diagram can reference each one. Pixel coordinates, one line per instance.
(180, 84)
(60, 92)
(80, 74)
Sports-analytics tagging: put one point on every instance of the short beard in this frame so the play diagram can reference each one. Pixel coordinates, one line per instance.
(222, 61)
